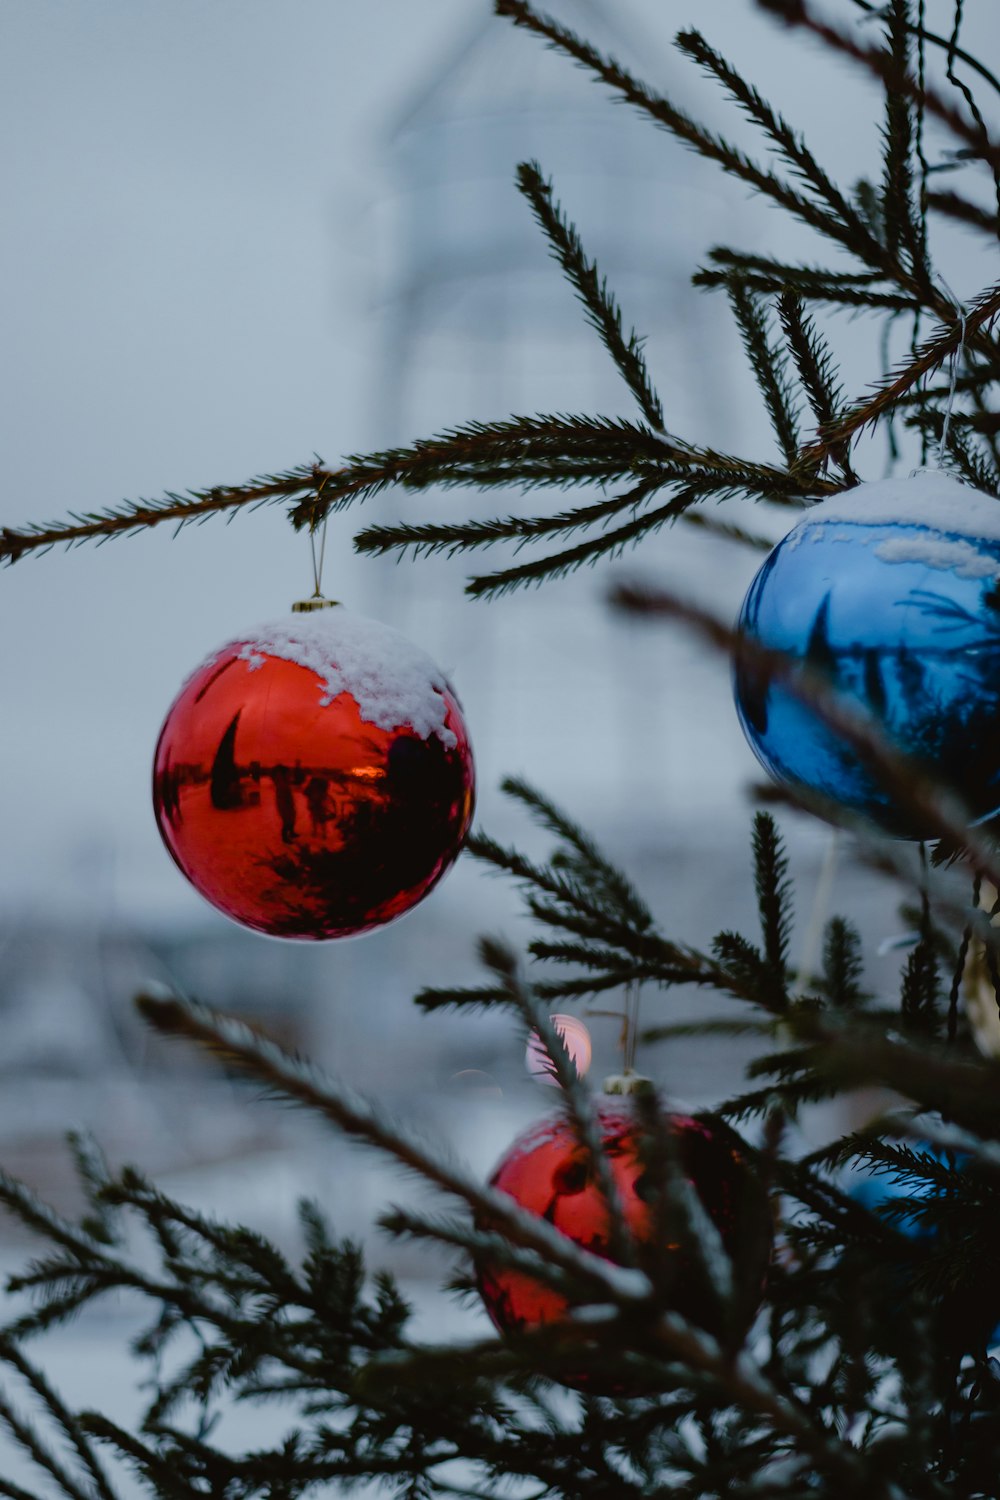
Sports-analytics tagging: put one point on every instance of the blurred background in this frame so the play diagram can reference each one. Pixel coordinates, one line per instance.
(239, 234)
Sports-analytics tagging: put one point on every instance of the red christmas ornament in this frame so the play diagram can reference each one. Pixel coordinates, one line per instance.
(548, 1172)
(313, 778)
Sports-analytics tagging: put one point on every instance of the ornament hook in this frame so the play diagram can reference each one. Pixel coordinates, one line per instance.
(317, 599)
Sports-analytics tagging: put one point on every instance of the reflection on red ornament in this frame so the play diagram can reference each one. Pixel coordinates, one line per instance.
(548, 1172)
(287, 805)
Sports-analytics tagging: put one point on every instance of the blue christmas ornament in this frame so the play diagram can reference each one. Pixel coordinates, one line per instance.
(968, 1308)
(892, 590)
(880, 1189)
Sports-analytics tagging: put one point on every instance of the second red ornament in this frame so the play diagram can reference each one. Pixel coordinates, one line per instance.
(548, 1172)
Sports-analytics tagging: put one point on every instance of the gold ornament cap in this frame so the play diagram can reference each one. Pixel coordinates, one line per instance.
(306, 606)
(628, 1083)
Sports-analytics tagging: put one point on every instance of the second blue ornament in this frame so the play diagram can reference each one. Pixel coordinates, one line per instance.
(892, 591)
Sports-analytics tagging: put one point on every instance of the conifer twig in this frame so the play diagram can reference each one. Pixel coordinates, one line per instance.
(931, 354)
(886, 68)
(713, 147)
(359, 1118)
(603, 312)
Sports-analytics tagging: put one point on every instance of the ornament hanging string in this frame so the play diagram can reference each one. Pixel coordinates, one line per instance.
(956, 357)
(318, 557)
(630, 1028)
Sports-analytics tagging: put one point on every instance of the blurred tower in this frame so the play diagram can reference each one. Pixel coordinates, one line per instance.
(479, 322)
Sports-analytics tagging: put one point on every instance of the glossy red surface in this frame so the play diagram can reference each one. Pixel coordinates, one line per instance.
(547, 1172)
(301, 820)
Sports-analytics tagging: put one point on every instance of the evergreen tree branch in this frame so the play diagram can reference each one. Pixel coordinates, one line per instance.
(945, 44)
(541, 449)
(140, 515)
(28, 1440)
(814, 364)
(769, 367)
(32, 1375)
(425, 539)
(772, 279)
(589, 860)
(15, 1492)
(774, 897)
(931, 354)
(727, 530)
(953, 206)
(603, 312)
(713, 147)
(880, 62)
(358, 1118)
(897, 198)
(787, 141)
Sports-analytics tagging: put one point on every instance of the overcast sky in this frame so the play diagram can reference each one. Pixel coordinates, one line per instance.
(193, 195)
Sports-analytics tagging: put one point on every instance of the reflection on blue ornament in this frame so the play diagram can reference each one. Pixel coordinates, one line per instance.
(893, 591)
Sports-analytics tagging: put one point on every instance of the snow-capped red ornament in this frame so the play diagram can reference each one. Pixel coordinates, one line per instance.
(548, 1172)
(892, 591)
(313, 778)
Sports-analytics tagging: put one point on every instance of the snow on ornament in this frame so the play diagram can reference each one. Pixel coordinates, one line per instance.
(892, 591)
(549, 1173)
(313, 778)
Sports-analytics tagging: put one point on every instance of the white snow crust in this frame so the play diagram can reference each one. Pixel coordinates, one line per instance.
(928, 497)
(948, 553)
(392, 681)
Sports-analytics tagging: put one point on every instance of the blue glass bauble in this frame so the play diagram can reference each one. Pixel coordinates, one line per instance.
(969, 1306)
(877, 1190)
(893, 591)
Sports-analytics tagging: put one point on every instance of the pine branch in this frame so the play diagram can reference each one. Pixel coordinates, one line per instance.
(603, 312)
(60, 1414)
(788, 143)
(795, 13)
(769, 367)
(362, 1120)
(713, 147)
(541, 449)
(587, 553)
(27, 1439)
(589, 860)
(450, 538)
(774, 898)
(974, 468)
(814, 364)
(946, 44)
(771, 278)
(898, 212)
(931, 354)
(140, 515)
(840, 980)
(953, 206)
(727, 531)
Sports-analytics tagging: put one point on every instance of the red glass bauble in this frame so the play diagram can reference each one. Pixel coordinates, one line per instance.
(548, 1172)
(313, 778)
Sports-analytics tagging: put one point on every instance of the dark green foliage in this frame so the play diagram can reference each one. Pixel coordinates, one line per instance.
(867, 1372)
(843, 966)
